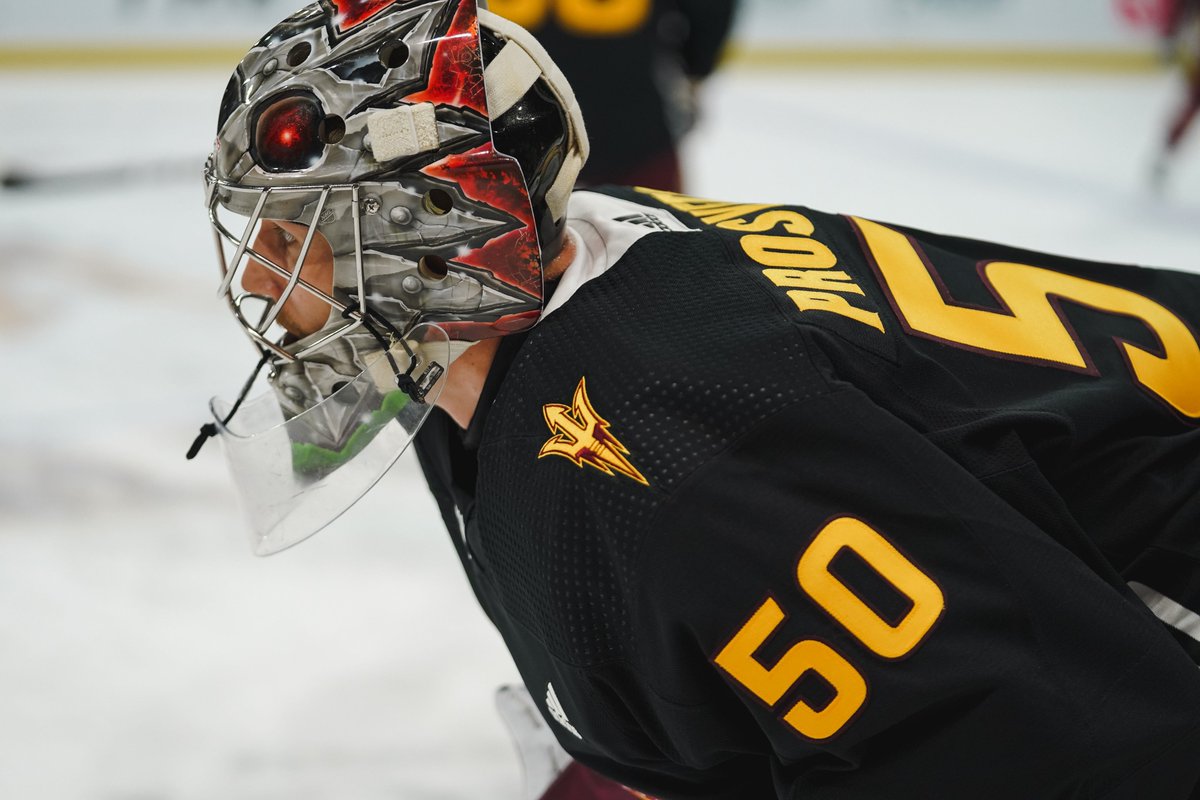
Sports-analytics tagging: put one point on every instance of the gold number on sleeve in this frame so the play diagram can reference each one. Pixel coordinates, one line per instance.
(770, 684)
(1032, 327)
(884, 639)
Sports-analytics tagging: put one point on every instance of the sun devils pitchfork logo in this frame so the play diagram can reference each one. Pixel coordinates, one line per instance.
(582, 435)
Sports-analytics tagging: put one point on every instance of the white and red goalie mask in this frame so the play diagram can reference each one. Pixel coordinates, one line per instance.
(431, 186)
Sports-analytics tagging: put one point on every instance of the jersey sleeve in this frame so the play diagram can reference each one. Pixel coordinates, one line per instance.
(838, 596)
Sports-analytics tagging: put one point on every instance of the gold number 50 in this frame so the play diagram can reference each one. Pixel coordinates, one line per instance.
(885, 639)
(582, 17)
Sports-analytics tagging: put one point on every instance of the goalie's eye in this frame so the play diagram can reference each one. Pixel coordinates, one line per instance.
(288, 134)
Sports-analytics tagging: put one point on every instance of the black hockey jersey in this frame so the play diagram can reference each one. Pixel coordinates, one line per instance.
(774, 503)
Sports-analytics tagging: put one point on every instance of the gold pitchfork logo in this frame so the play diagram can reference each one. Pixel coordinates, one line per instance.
(583, 436)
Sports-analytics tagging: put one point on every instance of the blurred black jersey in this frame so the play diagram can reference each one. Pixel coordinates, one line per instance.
(774, 503)
(627, 61)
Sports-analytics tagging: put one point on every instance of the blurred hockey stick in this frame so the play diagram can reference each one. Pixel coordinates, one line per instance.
(162, 170)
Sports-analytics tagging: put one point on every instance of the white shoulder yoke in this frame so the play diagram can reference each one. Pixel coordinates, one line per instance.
(603, 229)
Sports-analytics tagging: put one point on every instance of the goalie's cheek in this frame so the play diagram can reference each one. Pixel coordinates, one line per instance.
(303, 312)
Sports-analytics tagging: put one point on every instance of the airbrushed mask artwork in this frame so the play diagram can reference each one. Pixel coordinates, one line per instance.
(362, 136)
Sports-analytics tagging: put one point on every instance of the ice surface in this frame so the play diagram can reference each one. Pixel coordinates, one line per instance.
(146, 655)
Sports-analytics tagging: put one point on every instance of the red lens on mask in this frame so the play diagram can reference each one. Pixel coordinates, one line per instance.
(287, 134)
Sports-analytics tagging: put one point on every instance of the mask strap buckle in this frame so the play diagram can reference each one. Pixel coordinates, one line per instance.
(416, 387)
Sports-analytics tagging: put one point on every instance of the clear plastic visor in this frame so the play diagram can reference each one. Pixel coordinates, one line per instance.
(297, 474)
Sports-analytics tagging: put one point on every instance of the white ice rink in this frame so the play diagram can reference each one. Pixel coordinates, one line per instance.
(146, 655)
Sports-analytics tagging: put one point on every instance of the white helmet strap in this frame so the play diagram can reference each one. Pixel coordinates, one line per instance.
(511, 74)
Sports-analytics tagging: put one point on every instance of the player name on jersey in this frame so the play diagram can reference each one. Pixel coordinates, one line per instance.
(792, 259)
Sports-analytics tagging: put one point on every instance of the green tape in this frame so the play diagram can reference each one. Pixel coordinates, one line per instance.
(311, 459)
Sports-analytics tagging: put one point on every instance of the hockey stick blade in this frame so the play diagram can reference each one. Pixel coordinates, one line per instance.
(112, 176)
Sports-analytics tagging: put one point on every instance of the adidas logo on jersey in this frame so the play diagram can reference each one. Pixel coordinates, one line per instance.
(646, 221)
(556, 710)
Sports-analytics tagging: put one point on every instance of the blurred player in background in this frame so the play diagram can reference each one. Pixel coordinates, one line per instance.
(636, 67)
(1181, 33)
(771, 503)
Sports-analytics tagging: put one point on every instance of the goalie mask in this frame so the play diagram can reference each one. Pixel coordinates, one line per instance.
(387, 178)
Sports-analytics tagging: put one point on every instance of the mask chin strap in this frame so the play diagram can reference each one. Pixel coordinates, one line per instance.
(209, 429)
(416, 381)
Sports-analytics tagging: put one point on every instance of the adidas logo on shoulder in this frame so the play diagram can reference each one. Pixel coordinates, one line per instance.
(646, 221)
(556, 710)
